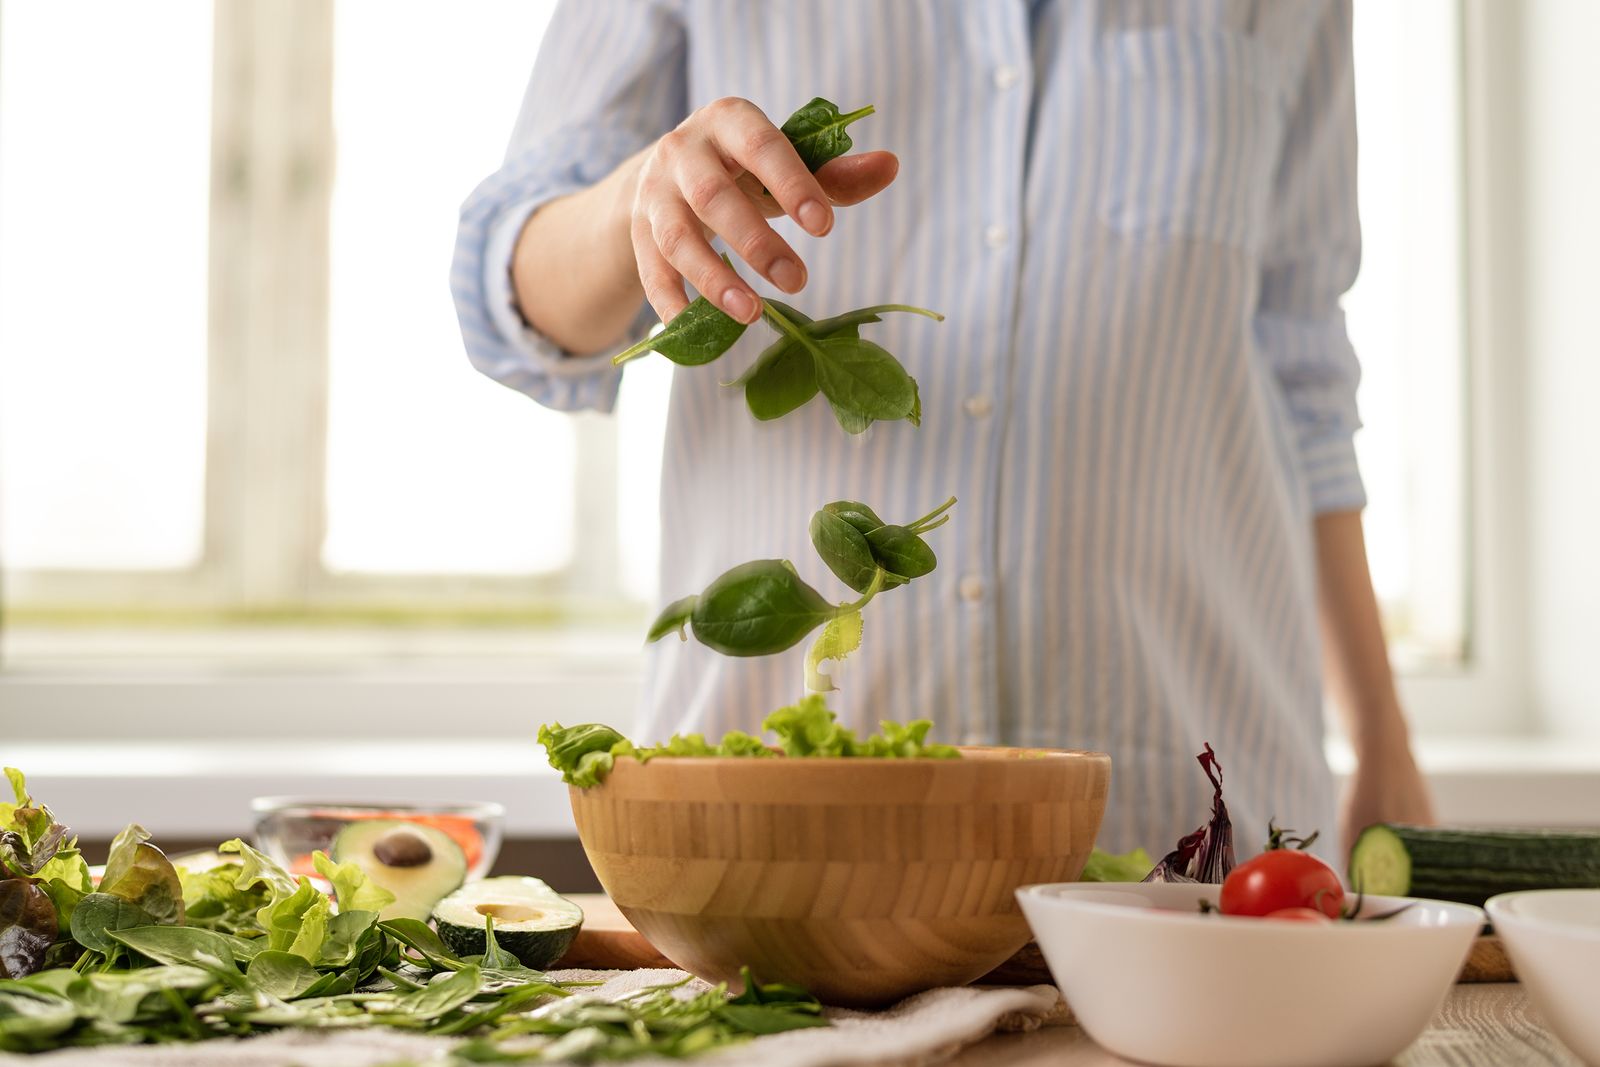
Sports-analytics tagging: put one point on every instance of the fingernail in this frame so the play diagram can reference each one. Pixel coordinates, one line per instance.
(814, 217)
(788, 276)
(738, 303)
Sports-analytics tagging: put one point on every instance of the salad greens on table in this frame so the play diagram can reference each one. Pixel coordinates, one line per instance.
(157, 953)
(862, 381)
(586, 754)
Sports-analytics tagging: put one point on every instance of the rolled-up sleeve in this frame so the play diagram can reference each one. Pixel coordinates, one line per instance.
(609, 79)
(1311, 256)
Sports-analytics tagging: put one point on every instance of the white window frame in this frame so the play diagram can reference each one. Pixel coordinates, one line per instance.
(273, 137)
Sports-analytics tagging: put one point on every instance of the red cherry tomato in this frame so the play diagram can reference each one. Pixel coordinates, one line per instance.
(1300, 915)
(1282, 878)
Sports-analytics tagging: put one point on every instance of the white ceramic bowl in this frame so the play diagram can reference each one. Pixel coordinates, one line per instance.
(1152, 979)
(1553, 938)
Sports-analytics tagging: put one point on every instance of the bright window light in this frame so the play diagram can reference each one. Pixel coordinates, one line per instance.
(105, 162)
(431, 466)
(1405, 319)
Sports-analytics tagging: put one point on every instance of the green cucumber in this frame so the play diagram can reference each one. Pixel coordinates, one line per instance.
(531, 921)
(1470, 866)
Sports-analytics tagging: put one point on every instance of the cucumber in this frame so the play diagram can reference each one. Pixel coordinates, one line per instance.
(531, 921)
(1470, 866)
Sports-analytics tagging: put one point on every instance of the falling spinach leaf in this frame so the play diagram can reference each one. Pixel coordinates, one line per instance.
(818, 132)
(673, 618)
(757, 609)
(784, 383)
(862, 378)
(901, 552)
(844, 549)
(764, 607)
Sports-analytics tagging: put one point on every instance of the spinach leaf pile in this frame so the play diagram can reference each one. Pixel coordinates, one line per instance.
(586, 754)
(862, 381)
(157, 953)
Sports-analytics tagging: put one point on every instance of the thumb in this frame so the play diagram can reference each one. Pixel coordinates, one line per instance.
(852, 179)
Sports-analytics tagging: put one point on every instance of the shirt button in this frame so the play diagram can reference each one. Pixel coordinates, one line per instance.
(996, 236)
(971, 587)
(978, 406)
(1006, 76)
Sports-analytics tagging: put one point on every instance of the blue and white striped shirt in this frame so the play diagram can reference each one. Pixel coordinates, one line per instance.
(1139, 218)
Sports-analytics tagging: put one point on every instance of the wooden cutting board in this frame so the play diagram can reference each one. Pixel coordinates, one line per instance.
(608, 941)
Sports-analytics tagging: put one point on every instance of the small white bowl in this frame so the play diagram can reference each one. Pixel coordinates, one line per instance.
(1152, 979)
(1553, 938)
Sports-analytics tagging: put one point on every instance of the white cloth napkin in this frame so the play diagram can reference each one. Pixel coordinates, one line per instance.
(923, 1029)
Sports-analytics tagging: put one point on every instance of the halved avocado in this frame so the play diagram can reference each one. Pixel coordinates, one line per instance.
(418, 864)
(531, 921)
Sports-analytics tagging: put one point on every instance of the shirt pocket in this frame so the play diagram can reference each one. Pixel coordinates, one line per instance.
(1192, 126)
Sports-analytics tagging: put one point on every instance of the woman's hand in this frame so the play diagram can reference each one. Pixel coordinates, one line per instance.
(706, 179)
(1385, 787)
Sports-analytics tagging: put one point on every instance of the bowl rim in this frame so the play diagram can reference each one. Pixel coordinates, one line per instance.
(981, 754)
(1502, 906)
(1056, 894)
(292, 804)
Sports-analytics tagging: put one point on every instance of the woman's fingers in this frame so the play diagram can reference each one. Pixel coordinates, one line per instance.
(719, 174)
(663, 286)
(852, 179)
(743, 134)
(682, 242)
(730, 214)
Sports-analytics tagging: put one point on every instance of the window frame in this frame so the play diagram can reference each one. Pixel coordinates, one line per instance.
(273, 160)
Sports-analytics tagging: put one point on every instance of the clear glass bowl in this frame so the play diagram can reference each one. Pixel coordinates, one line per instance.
(289, 829)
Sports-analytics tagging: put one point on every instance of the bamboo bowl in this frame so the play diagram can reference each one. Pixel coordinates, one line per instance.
(864, 880)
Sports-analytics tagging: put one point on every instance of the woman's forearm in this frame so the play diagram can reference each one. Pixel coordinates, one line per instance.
(1355, 655)
(573, 268)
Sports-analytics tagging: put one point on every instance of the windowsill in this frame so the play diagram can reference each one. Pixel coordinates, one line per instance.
(203, 788)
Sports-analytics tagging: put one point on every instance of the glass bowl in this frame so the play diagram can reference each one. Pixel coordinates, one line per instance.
(289, 829)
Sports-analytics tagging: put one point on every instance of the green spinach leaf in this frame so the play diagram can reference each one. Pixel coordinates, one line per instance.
(673, 618)
(901, 552)
(758, 608)
(697, 335)
(818, 131)
(844, 549)
(864, 380)
(282, 974)
(98, 915)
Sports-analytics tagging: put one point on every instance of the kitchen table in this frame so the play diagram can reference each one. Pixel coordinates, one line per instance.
(1479, 1026)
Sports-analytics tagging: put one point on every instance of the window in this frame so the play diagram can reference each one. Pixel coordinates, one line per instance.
(209, 410)
(310, 453)
(1405, 318)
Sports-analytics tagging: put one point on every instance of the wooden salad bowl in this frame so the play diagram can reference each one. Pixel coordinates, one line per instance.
(864, 880)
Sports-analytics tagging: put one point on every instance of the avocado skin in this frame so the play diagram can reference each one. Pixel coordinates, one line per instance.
(537, 949)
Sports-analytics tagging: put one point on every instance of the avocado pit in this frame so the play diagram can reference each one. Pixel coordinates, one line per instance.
(402, 847)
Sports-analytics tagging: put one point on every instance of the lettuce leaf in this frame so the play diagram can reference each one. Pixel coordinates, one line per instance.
(1109, 867)
(586, 754)
(351, 887)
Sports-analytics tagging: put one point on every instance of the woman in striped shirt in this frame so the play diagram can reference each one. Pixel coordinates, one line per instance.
(1138, 217)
